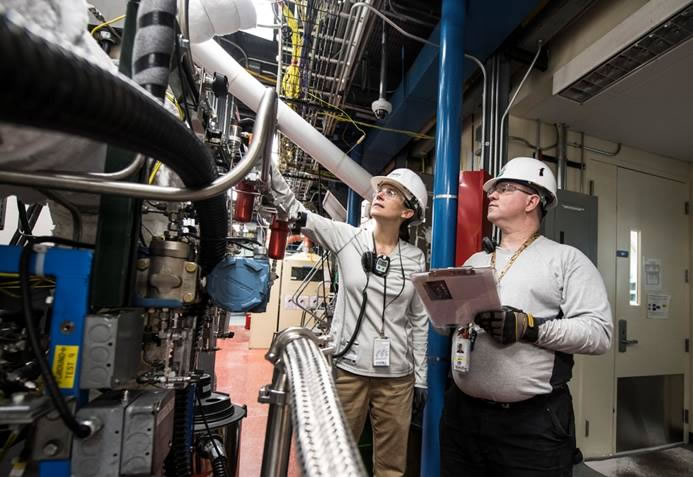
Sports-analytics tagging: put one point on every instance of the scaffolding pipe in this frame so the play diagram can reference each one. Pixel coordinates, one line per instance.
(248, 90)
(303, 382)
(444, 210)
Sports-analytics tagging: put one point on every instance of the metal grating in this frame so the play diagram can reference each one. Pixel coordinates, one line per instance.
(313, 73)
(672, 32)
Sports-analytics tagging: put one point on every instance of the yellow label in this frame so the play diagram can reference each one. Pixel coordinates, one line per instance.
(65, 365)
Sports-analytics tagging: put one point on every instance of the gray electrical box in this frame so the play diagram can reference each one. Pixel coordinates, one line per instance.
(147, 433)
(133, 436)
(112, 349)
(574, 222)
(99, 454)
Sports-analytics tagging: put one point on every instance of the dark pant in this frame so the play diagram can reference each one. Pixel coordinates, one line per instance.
(535, 437)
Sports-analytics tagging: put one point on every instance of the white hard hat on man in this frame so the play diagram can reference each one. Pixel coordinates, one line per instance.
(411, 185)
(532, 173)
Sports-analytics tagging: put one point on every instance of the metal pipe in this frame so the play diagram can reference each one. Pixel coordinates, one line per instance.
(384, 63)
(353, 199)
(513, 98)
(391, 23)
(126, 172)
(261, 131)
(278, 432)
(303, 380)
(485, 143)
(596, 150)
(444, 210)
(561, 157)
(248, 90)
(583, 162)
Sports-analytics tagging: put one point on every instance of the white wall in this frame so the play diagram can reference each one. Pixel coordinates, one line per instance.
(43, 227)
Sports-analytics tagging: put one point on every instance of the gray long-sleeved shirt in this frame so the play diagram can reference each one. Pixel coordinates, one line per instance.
(551, 281)
(406, 320)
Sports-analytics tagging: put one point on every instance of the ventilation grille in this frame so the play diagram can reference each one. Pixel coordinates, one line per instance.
(672, 32)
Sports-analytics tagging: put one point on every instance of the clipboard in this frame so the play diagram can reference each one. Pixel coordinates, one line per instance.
(454, 295)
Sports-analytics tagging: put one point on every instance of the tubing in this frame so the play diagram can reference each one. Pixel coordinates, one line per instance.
(79, 97)
(153, 46)
(249, 90)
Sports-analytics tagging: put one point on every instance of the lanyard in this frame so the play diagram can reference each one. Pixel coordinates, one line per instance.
(523, 247)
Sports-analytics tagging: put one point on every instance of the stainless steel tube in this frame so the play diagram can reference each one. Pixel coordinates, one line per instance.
(278, 432)
(262, 132)
(303, 382)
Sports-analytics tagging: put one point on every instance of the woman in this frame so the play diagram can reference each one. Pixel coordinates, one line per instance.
(380, 325)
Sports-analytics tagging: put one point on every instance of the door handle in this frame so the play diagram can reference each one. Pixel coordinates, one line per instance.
(623, 340)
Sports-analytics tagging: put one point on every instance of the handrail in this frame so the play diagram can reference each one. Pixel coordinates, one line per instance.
(262, 132)
(303, 381)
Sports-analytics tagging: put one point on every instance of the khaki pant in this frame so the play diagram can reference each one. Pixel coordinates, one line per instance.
(389, 404)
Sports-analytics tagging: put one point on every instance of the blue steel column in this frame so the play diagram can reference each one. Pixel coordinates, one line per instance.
(444, 212)
(353, 199)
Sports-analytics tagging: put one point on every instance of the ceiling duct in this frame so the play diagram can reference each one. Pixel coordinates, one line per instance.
(648, 34)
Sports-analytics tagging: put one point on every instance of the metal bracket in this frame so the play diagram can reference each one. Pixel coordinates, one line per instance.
(271, 396)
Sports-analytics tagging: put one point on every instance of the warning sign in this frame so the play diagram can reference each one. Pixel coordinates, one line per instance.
(65, 365)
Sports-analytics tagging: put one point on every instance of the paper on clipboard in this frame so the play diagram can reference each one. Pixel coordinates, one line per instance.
(453, 296)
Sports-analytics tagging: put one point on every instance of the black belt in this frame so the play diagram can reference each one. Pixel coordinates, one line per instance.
(516, 405)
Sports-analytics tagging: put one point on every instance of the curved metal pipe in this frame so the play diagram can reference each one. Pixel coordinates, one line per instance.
(265, 122)
(126, 172)
(513, 98)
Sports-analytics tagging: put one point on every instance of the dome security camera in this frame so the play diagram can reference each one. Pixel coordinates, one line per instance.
(381, 108)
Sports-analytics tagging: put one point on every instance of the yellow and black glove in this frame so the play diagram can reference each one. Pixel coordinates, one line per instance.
(509, 325)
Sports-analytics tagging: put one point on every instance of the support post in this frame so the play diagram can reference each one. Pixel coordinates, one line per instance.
(444, 211)
(353, 199)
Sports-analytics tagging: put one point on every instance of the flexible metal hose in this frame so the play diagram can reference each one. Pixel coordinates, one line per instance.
(324, 442)
(45, 85)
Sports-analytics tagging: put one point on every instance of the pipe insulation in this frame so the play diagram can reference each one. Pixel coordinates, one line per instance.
(249, 91)
(324, 442)
(154, 45)
(84, 99)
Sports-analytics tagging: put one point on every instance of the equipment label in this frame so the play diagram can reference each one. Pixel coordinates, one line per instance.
(65, 365)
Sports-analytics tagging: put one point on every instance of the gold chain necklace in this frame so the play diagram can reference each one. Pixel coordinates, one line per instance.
(523, 247)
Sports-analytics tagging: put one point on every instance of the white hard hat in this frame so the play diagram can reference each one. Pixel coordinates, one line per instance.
(411, 186)
(532, 172)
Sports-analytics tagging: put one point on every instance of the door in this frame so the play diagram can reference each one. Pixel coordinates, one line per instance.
(651, 305)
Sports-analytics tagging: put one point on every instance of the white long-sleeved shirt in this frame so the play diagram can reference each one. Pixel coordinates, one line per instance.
(551, 281)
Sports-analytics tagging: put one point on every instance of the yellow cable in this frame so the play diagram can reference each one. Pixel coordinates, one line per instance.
(349, 118)
(290, 82)
(173, 99)
(262, 77)
(157, 165)
(413, 134)
(102, 25)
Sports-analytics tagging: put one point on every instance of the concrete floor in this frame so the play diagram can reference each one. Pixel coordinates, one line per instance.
(240, 373)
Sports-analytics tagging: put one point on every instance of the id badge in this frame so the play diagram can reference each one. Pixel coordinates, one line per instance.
(382, 352)
(461, 350)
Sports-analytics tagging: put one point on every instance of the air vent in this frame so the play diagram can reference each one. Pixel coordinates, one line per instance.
(668, 34)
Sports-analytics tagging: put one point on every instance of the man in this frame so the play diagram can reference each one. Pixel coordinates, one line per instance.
(511, 413)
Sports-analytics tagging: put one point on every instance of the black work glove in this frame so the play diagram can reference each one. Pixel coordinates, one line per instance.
(419, 400)
(508, 325)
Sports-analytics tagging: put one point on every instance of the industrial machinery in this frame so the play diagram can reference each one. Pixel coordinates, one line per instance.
(109, 328)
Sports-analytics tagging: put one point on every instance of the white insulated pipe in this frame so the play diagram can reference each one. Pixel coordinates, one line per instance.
(249, 91)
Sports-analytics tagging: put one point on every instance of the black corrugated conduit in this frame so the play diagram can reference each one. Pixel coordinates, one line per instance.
(45, 85)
